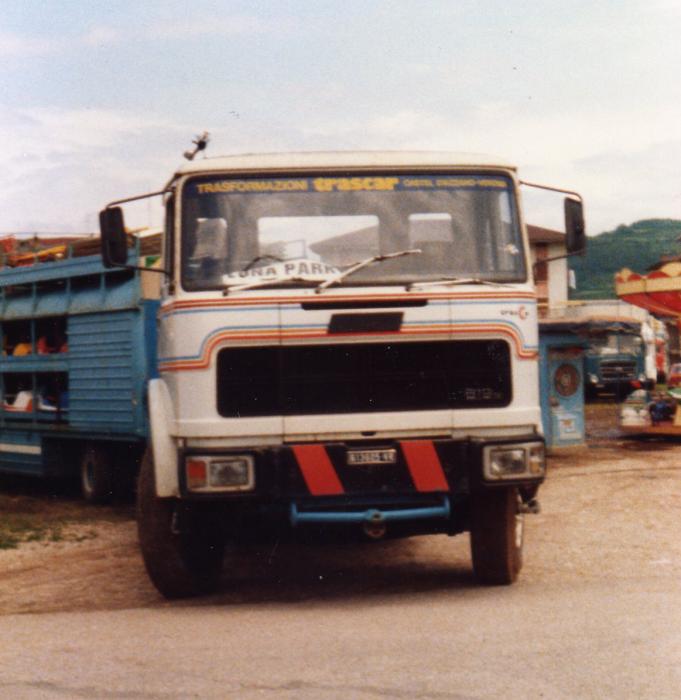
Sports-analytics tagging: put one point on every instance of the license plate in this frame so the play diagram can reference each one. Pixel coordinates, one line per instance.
(358, 457)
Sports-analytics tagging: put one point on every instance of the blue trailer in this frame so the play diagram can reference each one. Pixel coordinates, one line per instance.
(78, 346)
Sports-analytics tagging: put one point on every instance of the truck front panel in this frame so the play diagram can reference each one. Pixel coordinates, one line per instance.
(384, 318)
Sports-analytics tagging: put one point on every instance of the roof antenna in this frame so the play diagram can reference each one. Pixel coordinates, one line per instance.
(200, 143)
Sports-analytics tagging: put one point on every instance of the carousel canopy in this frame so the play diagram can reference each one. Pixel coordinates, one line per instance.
(659, 291)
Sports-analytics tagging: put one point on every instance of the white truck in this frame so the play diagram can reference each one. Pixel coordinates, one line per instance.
(346, 341)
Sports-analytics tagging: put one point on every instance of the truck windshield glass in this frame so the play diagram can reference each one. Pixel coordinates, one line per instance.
(238, 231)
(614, 343)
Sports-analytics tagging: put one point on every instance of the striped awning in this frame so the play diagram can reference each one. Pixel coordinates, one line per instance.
(659, 291)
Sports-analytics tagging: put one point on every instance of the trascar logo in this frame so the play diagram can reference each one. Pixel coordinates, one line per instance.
(521, 312)
(355, 184)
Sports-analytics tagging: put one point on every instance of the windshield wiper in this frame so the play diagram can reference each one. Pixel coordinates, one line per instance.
(267, 283)
(355, 267)
(454, 281)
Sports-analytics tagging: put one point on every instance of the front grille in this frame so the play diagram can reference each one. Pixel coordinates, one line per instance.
(618, 369)
(360, 378)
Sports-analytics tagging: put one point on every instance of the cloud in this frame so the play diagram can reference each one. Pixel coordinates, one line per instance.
(666, 7)
(58, 167)
(235, 25)
(635, 184)
(101, 36)
(17, 45)
(32, 137)
(20, 45)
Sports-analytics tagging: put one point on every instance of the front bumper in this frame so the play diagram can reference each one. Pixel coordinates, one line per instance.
(359, 470)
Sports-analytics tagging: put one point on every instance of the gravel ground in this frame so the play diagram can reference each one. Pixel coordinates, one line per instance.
(610, 510)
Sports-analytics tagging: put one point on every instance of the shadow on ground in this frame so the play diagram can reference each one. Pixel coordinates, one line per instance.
(303, 572)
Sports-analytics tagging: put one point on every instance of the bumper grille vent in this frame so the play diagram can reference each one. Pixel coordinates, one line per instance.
(618, 370)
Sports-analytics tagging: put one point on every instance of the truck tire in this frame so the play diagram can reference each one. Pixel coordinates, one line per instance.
(96, 474)
(496, 536)
(182, 553)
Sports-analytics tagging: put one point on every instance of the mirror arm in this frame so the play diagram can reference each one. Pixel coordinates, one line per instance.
(575, 198)
(167, 190)
(536, 263)
(572, 193)
(161, 270)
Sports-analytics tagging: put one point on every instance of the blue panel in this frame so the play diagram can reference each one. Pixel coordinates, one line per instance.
(56, 362)
(103, 290)
(84, 300)
(567, 412)
(562, 415)
(151, 335)
(55, 270)
(107, 372)
(11, 437)
(11, 463)
(122, 296)
(17, 307)
(78, 301)
(544, 390)
(27, 458)
(52, 304)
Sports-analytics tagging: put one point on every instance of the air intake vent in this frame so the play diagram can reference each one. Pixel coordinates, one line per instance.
(365, 323)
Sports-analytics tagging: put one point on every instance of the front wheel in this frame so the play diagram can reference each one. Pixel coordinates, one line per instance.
(182, 549)
(497, 534)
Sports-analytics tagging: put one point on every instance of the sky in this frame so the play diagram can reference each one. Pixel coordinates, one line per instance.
(98, 100)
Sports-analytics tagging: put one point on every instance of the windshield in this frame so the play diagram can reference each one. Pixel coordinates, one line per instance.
(613, 343)
(240, 232)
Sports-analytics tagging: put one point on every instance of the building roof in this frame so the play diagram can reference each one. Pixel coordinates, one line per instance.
(539, 234)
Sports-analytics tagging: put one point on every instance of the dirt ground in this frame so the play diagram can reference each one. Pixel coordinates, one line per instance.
(610, 509)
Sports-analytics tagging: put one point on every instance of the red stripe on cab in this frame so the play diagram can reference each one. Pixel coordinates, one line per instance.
(424, 466)
(318, 472)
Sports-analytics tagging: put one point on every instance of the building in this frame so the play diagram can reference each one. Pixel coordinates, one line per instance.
(551, 271)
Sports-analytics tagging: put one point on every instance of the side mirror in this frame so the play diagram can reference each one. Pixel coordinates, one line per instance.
(114, 240)
(575, 230)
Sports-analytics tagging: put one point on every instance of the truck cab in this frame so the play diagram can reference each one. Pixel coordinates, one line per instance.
(345, 341)
(615, 357)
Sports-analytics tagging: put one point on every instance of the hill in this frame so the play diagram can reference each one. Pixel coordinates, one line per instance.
(638, 247)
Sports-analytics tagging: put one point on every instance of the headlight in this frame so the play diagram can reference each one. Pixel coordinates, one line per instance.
(521, 461)
(219, 473)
